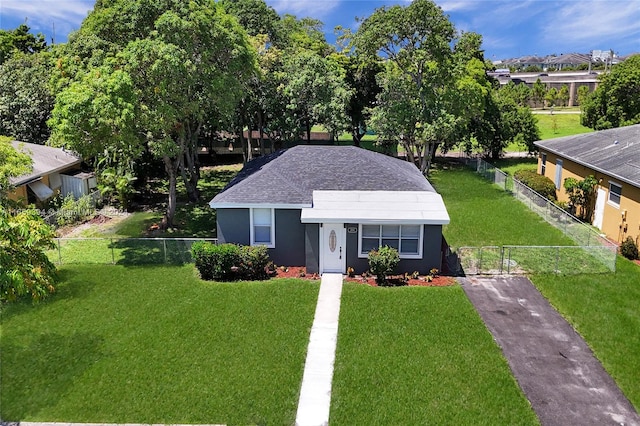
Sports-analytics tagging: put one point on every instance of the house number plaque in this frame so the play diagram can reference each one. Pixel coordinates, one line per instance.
(332, 241)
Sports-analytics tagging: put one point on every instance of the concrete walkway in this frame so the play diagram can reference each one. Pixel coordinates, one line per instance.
(315, 392)
(555, 368)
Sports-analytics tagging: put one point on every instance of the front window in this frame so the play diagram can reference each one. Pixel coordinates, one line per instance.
(262, 227)
(407, 239)
(615, 192)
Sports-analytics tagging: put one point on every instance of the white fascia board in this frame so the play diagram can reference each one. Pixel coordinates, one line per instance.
(256, 206)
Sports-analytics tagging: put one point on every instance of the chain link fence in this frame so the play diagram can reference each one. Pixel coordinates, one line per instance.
(123, 251)
(593, 252)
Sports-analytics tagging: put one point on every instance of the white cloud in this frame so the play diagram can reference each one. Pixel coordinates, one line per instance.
(41, 15)
(302, 8)
(594, 22)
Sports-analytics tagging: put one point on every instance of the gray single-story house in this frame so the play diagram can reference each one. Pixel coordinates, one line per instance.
(326, 207)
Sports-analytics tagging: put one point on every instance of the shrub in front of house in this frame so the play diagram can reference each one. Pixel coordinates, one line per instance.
(541, 184)
(383, 262)
(629, 249)
(253, 263)
(230, 262)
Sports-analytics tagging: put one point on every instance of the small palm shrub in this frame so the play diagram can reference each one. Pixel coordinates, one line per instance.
(383, 262)
(629, 249)
(541, 184)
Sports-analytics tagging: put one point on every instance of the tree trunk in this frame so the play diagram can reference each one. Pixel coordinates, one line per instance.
(357, 136)
(249, 143)
(243, 145)
(261, 127)
(171, 167)
(308, 124)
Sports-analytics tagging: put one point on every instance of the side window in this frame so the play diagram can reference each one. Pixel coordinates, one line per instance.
(262, 227)
(558, 174)
(615, 192)
(543, 163)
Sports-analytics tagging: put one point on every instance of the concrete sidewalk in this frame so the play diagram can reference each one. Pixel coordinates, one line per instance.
(315, 392)
(555, 368)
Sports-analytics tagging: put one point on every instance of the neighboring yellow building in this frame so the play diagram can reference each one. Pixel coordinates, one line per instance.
(46, 177)
(613, 158)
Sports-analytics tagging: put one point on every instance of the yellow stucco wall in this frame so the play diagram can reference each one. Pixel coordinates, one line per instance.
(615, 225)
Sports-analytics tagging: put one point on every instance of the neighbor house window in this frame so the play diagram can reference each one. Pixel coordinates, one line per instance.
(615, 192)
(262, 227)
(543, 163)
(558, 174)
(407, 239)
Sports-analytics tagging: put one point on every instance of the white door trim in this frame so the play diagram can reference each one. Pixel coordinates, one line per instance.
(341, 243)
(598, 211)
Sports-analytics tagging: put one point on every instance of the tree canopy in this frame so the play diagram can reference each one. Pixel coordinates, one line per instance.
(616, 100)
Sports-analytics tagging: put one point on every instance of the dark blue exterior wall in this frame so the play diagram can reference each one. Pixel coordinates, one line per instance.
(297, 244)
(233, 226)
(312, 247)
(431, 252)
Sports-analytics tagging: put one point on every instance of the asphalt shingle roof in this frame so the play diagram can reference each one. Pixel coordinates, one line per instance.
(614, 152)
(290, 176)
(45, 159)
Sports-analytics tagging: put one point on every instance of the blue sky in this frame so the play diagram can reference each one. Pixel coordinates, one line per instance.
(510, 28)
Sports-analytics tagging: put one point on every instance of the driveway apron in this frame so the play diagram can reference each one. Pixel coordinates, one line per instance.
(555, 368)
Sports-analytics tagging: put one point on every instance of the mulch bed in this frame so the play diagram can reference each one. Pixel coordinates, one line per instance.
(301, 272)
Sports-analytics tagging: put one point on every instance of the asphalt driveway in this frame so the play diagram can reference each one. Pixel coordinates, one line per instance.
(557, 371)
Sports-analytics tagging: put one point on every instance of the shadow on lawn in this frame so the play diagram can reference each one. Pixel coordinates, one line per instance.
(39, 373)
(152, 252)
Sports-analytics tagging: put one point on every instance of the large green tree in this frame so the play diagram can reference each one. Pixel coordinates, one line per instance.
(186, 63)
(20, 40)
(616, 101)
(430, 88)
(25, 269)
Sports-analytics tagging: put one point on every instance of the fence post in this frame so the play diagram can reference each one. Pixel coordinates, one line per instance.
(501, 258)
(480, 261)
(164, 247)
(509, 262)
(59, 253)
(113, 256)
(557, 259)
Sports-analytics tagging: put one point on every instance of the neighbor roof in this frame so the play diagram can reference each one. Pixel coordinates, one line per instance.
(289, 177)
(46, 160)
(613, 152)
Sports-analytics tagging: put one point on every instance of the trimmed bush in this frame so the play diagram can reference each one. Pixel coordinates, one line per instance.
(229, 262)
(383, 262)
(629, 249)
(541, 184)
(253, 263)
(216, 261)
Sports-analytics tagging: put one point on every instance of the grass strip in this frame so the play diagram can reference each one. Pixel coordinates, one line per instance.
(604, 310)
(156, 345)
(417, 355)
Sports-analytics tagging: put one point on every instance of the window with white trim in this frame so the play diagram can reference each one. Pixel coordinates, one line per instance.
(407, 239)
(263, 227)
(615, 192)
(558, 181)
(543, 163)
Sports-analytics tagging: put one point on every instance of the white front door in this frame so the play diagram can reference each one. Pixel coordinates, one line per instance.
(598, 213)
(332, 248)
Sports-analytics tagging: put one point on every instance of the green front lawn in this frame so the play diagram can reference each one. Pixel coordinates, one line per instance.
(156, 345)
(416, 355)
(482, 214)
(604, 310)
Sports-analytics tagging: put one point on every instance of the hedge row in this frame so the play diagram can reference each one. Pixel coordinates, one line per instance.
(230, 262)
(541, 184)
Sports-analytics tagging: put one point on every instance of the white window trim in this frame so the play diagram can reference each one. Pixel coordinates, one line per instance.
(558, 175)
(273, 228)
(543, 163)
(611, 203)
(402, 256)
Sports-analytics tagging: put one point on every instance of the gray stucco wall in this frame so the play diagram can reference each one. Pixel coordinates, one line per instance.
(431, 253)
(312, 247)
(233, 226)
(290, 239)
